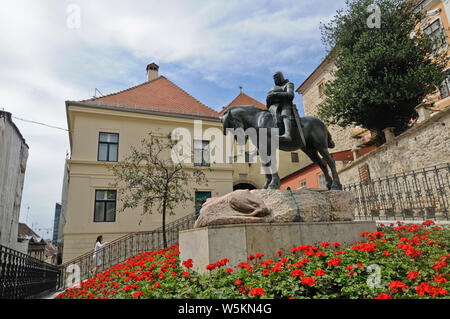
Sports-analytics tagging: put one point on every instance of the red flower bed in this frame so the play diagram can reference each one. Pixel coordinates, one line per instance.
(397, 261)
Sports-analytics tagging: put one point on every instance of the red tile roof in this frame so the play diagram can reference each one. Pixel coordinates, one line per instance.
(159, 95)
(242, 100)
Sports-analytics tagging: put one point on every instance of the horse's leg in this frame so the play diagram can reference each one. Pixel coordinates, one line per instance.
(268, 180)
(314, 156)
(331, 163)
(276, 182)
(271, 161)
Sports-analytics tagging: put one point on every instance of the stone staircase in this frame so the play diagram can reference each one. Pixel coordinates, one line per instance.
(114, 252)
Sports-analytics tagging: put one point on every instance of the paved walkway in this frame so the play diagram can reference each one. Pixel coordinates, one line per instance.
(52, 295)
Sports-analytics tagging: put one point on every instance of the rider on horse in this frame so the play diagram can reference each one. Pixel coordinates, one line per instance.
(279, 102)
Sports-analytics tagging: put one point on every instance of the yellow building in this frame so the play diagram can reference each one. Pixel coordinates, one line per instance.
(101, 132)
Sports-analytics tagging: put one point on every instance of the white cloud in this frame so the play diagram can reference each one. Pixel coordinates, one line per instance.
(44, 62)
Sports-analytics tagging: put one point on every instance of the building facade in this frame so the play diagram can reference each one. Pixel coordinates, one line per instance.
(34, 246)
(357, 140)
(101, 132)
(436, 24)
(13, 161)
(56, 223)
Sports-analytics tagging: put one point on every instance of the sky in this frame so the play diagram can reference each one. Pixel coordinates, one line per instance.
(58, 50)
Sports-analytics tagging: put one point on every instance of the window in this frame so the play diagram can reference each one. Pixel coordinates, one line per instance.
(322, 181)
(200, 198)
(105, 206)
(434, 30)
(294, 157)
(445, 87)
(201, 153)
(303, 183)
(108, 147)
(321, 88)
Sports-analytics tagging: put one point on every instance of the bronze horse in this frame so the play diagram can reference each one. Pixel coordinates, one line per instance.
(317, 139)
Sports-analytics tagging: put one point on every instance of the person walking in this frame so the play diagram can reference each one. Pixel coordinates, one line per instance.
(98, 254)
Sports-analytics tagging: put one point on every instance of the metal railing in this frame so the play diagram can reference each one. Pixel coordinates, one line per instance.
(418, 194)
(22, 276)
(122, 248)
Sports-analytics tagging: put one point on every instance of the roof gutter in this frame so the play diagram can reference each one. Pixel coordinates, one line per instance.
(124, 109)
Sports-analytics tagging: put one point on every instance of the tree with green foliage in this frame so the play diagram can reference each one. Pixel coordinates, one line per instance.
(385, 65)
(149, 177)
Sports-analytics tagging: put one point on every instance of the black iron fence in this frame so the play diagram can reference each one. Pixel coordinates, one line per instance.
(22, 276)
(418, 194)
(111, 254)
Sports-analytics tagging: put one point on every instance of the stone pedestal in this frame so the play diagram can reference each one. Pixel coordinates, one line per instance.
(210, 244)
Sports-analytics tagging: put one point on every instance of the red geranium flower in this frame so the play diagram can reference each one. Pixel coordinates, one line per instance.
(383, 296)
(324, 244)
(319, 272)
(321, 254)
(138, 294)
(439, 278)
(187, 263)
(425, 288)
(265, 272)
(395, 286)
(413, 274)
(297, 273)
(308, 281)
(211, 267)
(257, 291)
(334, 262)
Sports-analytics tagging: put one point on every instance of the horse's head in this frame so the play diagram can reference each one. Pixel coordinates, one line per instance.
(229, 121)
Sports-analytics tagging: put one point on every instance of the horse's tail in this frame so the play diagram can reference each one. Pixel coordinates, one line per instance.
(330, 140)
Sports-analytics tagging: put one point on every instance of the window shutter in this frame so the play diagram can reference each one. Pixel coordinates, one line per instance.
(364, 173)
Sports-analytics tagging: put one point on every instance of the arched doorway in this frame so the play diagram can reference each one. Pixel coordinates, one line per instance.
(243, 186)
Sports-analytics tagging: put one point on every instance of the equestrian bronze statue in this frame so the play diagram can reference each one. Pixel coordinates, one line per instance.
(307, 133)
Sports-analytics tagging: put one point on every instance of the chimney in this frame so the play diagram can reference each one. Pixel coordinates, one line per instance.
(152, 71)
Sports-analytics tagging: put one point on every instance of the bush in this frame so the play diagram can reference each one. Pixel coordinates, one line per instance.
(397, 261)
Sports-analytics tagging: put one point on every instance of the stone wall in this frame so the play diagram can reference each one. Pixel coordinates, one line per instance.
(424, 145)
